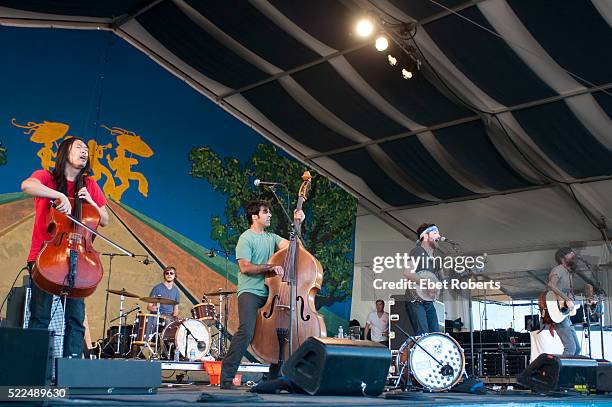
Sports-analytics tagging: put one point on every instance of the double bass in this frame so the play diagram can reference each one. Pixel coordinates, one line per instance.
(68, 264)
(271, 338)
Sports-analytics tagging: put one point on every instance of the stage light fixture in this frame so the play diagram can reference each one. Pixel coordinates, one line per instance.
(364, 27)
(382, 43)
(406, 73)
(392, 60)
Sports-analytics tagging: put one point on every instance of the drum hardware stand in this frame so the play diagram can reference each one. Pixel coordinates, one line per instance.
(122, 316)
(223, 313)
(155, 354)
(111, 256)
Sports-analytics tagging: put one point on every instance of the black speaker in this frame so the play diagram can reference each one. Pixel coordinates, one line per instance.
(340, 367)
(399, 316)
(107, 376)
(604, 375)
(553, 373)
(27, 357)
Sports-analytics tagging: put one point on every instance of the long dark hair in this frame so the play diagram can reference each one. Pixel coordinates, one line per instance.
(60, 165)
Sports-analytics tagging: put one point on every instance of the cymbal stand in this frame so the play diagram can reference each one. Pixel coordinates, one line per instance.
(221, 326)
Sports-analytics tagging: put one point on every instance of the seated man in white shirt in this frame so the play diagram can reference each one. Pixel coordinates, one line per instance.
(378, 322)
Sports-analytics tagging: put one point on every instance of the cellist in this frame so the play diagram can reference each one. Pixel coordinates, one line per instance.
(255, 246)
(72, 163)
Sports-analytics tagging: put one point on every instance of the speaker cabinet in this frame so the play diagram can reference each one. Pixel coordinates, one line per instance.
(604, 375)
(553, 373)
(107, 376)
(344, 367)
(27, 357)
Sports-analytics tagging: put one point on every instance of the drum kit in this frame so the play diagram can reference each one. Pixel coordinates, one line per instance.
(159, 336)
(435, 361)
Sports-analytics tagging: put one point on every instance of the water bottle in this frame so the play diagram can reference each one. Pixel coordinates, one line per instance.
(192, 355)
(340, 332)
(176, 355)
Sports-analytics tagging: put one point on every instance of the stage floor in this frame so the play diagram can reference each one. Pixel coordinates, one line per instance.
(212, 395)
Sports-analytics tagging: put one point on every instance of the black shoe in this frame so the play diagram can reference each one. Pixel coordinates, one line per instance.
(228, 385)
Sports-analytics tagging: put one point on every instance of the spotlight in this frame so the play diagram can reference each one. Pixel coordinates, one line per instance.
(364, 27)
(406, 73)
(392, 60)
(382, 43)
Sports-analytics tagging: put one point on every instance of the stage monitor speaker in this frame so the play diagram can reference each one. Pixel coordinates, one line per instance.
(554, 373)
(107, 376)
(604, 375)
(27, 357)
(343, 367)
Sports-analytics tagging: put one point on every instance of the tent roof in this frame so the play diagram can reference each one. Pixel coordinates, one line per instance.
(511, 104)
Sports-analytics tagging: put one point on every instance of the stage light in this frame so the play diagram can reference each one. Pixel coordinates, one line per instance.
(392, 60)
(364, 27)
(382, 43)
(406, 73)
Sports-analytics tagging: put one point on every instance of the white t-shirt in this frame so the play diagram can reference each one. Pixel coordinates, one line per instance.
(379, 326)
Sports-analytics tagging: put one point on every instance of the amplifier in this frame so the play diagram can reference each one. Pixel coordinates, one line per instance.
(27, 357)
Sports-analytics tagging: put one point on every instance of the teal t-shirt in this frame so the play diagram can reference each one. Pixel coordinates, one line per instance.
(257, 249)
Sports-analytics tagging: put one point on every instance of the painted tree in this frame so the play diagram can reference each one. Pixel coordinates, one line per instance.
(330, 211)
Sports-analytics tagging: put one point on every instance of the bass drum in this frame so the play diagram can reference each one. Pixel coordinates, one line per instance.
(424, 369)
(175, 337)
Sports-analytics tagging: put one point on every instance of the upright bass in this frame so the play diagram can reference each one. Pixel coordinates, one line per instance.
(272, 328)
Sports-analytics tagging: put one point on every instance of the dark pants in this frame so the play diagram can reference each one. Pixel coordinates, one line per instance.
(40, 317)
(423, 317)
(248, 305)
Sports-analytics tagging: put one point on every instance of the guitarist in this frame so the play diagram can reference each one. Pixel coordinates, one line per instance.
(560, 281)
(422, 313)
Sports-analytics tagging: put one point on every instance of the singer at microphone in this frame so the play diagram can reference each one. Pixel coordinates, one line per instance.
(420, 302)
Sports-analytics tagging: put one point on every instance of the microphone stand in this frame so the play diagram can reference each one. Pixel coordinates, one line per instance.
(597, 289)
(187, 340)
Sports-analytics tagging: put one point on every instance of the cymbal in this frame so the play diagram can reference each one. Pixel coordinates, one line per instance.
(124, 293)
(220, 293)
(160, 300)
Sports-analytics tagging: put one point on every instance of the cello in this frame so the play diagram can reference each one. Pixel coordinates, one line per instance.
(68, 264)
(273, 333)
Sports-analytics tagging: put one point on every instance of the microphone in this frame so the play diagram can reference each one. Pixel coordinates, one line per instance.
(447, 240)
(211, 253)
(259, 182)
(145, 261)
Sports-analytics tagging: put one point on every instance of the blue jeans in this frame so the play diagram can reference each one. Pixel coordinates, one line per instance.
(423, 317)
(40, 317)
(567, 334)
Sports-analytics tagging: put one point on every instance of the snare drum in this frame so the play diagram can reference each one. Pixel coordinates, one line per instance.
(175, 337)
(424, 369)
(144, 327)
(204, 311)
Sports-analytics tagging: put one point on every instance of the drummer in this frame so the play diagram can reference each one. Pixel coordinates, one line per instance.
(166, 289)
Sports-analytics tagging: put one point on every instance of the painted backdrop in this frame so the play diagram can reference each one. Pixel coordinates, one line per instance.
(176, 169)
